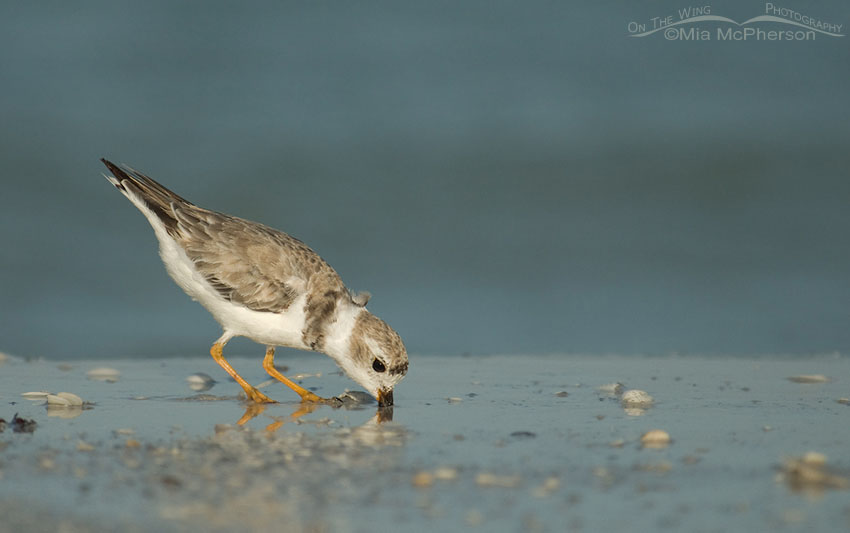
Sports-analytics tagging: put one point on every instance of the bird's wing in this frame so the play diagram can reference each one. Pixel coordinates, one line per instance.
(249, 263)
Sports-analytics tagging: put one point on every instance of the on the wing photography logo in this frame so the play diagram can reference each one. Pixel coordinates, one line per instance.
(700, 23)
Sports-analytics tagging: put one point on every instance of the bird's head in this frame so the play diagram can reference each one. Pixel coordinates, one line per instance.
(377, 359)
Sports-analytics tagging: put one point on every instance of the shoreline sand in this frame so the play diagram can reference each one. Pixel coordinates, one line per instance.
(506, 443)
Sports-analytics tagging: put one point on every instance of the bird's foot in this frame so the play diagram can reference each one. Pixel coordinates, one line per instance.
(309, 397)
(258, 397)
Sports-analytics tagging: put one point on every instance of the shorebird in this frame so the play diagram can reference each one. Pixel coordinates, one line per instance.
(265, 285)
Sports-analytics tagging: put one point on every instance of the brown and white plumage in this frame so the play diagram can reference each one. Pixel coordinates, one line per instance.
(263, 284)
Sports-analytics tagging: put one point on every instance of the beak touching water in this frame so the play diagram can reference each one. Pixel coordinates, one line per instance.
(385, 398)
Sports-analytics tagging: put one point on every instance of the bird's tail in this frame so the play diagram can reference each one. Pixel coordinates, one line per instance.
(144, 192)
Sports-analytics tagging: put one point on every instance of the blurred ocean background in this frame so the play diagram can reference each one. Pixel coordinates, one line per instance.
(504, 177)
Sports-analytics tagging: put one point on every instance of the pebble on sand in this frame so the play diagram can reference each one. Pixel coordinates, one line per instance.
(809, 378)
(655, 439)
(636, 398)
(110, 375)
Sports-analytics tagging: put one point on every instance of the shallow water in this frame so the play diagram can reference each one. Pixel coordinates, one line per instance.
(473, 441)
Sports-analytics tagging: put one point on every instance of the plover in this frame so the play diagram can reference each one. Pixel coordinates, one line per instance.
(265, 285)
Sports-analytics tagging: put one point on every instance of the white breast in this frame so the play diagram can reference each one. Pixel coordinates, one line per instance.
(278, 329)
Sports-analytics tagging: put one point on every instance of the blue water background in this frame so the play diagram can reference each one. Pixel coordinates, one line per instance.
(504, 177)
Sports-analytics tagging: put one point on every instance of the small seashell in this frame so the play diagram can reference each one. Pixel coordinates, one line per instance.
(659, 468)
(809, 378)
(423, 480)
(53, 399)
(35, 395)
(454, 399)
(109, 375)
(124, 431)
(614, 389)
(843, 401)
(491, 480)
(636, 398)
(356, 397)
(445, 473)
(264, 384)
(200, 382)
(200, 377)
(72, 398)
(814, 459)
(562, 394)
(810, 473)
(305, 376)
(655, 439)
(83, 446)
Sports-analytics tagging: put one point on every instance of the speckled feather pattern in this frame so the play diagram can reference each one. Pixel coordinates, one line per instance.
(248, 263)
(370, 328)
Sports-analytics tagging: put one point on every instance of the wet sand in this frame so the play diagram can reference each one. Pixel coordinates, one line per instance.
(497, 443)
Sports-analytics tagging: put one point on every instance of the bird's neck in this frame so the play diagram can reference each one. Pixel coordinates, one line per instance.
(339, 330)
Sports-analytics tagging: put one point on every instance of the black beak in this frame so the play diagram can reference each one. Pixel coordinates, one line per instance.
(385, 398)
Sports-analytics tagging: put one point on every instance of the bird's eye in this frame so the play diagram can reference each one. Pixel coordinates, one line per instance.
(378, 366)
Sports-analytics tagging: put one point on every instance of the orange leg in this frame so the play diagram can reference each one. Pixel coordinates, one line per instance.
(253, 393)
(268, 364)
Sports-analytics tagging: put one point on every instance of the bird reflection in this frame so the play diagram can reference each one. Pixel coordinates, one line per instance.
(253, 410)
